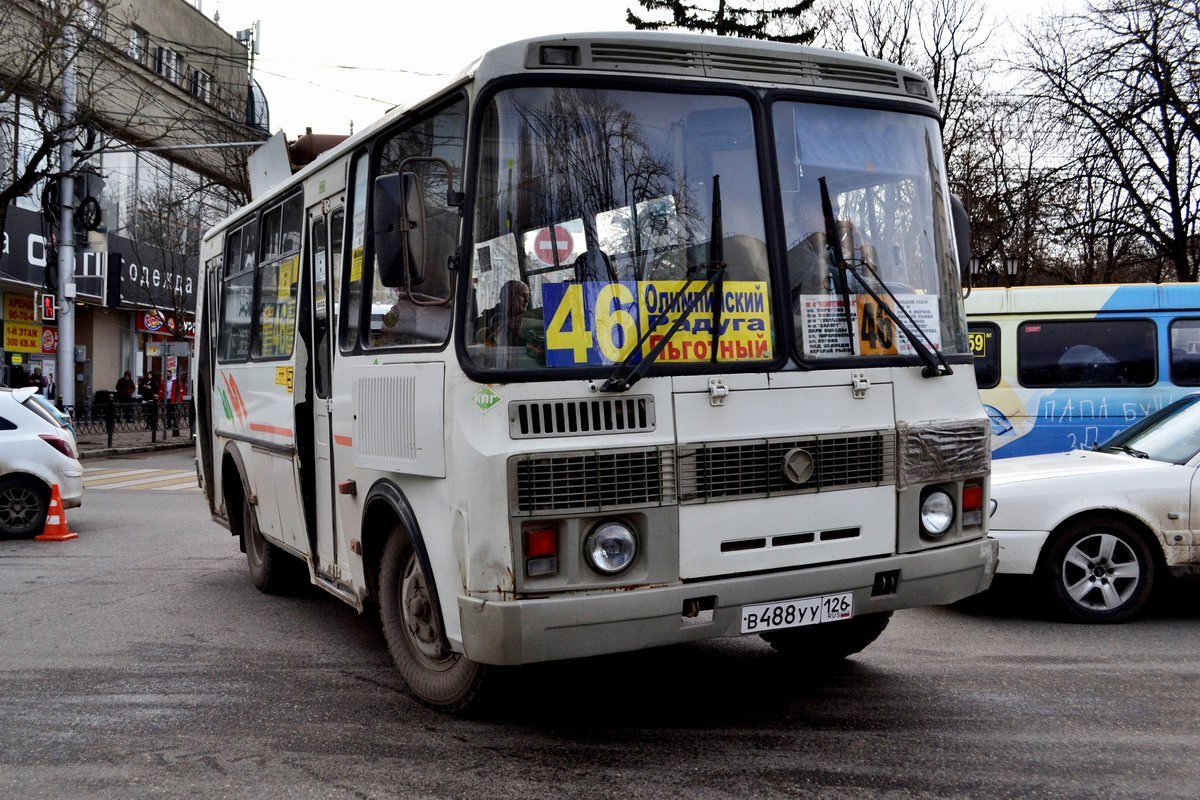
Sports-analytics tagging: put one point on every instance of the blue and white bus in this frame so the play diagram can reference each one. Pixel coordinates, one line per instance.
(1065, 367)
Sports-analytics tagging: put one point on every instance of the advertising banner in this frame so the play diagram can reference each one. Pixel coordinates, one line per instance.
(18, 307)
(22, 337)
(148, 277)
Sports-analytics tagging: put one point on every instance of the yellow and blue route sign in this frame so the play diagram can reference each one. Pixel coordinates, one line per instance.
(598, 323)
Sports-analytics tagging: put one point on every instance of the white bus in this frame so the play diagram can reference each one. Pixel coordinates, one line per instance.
(620, 340)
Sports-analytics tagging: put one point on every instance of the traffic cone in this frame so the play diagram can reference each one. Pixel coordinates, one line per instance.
(56, 521)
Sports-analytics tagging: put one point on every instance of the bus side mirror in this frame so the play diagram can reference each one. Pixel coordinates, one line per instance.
(400, 229)
(962, 237)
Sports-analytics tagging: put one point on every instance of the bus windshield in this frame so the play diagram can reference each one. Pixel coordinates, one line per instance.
(594, 213)
(890, 208)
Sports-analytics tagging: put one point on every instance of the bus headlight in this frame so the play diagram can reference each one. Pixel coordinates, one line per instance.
(937, 512)
(610, 547)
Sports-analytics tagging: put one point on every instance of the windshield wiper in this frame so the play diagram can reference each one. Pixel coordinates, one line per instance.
(1132, 451)
(935, 364)
(624, 376)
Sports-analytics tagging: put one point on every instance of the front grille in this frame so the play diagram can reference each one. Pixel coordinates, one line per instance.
(531, 419)
(592, 481)
(733, 470)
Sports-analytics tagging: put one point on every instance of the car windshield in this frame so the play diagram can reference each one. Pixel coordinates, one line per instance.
(593, 223)
(890, 210)
(1172, 434)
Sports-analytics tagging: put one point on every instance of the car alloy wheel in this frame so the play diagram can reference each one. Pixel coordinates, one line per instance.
(1100, 572)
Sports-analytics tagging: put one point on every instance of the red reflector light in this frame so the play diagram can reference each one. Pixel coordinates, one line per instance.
(58, 443)
(542, 542)
(972, 497)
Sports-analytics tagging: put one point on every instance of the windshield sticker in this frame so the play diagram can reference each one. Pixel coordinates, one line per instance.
(875, 330)
(595, 323)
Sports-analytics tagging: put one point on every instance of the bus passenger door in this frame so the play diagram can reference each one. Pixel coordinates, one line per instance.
(325, 229)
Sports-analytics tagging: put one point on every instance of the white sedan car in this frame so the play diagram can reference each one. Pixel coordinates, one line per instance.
(36, 452)
(1100, 527)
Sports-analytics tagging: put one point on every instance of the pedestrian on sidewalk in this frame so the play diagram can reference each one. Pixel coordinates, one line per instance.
(125, 395)
(38, 380)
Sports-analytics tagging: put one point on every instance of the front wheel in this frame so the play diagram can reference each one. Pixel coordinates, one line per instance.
(830, 641)
(412, 625)
(23, 505)
(1099, 570)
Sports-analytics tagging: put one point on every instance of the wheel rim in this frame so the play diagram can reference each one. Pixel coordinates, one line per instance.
(1101, 572)
(19, 507)
(422, 627)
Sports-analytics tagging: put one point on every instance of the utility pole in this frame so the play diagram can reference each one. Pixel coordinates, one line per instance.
(65, 361)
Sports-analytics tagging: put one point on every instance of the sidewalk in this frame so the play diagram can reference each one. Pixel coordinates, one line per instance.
(95, 445)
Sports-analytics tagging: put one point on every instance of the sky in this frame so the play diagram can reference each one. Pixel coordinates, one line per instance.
(348, 63)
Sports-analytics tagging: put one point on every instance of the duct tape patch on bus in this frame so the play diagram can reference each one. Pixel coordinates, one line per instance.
(596, 323)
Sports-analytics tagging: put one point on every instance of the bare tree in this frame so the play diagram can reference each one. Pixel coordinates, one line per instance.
(34, 53)
(1121, 78)
(944, 40)
(756, 19)
(172, 216)
(117, 99)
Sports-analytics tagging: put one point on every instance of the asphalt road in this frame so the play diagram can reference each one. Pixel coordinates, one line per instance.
(138, 661)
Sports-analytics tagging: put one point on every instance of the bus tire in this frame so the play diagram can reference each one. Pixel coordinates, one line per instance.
(412, 626)
(831, 641)
(272, 570)
(1098, 570)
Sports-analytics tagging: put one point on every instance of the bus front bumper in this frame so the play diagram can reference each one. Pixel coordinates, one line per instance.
(572, 626)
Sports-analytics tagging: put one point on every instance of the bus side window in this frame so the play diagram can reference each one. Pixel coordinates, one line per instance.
(278, 278)
(984, 338)
(421, 314)
(1185, 352)
(237, 297)
(1095, 352)
(348, 313)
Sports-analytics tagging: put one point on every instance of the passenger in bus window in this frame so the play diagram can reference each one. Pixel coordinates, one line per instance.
(501, 325)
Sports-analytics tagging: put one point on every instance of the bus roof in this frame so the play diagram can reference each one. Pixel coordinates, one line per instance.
(1083, 299)
(647, 53)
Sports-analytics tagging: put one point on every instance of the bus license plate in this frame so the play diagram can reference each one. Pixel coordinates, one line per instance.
(795, 613)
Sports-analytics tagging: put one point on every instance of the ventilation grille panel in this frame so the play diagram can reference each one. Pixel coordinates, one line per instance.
(656, 59)
(535, 419)
(387, 420)
(729, 61)
(776, 69)
(592, 481)
(856, 74)
(755, 468)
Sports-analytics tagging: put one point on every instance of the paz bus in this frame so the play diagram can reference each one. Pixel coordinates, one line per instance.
(1068, 367)
(620, 340)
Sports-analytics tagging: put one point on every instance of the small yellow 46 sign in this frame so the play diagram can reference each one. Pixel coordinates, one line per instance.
(876, 331)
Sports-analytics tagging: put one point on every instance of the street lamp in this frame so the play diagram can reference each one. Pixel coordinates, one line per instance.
(1010, 267)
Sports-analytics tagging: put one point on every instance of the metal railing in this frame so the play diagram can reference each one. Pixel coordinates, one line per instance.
(153, 420)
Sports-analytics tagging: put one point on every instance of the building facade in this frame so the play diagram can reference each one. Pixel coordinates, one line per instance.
(159, 83)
